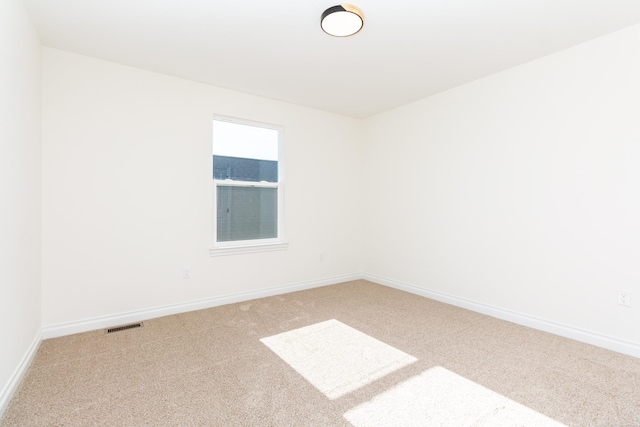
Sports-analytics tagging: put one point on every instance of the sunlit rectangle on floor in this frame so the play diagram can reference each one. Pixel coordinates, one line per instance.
(336, 358)
(439, 397)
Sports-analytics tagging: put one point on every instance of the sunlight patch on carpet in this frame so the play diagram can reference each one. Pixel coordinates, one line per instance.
(438, 397)
(336, 358)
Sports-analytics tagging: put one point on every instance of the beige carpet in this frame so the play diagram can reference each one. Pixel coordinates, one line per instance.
(355, 354)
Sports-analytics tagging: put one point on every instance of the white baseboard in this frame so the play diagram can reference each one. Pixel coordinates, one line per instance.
(14, 382)
(610, 343)
(85, 325)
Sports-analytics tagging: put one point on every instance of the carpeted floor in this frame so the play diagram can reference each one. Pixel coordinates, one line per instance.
(381, 357)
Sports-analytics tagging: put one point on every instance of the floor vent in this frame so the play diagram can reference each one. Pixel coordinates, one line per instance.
(123, 327)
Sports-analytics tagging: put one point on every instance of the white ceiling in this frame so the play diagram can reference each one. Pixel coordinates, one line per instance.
(407, 50)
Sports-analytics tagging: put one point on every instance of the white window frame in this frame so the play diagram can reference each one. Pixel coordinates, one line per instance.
(257, 245)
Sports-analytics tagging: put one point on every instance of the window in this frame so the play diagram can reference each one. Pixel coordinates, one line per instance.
(248, 187)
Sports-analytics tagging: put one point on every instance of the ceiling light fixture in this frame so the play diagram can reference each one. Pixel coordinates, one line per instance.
(342, 21)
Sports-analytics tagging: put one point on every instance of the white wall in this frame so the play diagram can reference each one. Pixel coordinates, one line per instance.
(127, 191)
(520, 191)
(19, 193)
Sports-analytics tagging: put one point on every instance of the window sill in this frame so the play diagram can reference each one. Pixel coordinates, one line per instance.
(247, 249)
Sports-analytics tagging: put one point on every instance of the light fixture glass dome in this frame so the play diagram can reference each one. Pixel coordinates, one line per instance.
(342, 20)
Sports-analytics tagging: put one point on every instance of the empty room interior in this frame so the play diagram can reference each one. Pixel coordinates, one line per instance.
(227, 214)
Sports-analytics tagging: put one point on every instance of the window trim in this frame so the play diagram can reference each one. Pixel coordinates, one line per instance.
(256, 245)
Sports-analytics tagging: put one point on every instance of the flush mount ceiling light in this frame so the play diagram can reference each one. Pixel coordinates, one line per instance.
(342, 20)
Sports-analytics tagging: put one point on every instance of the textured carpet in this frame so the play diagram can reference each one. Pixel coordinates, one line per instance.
(355, 354)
